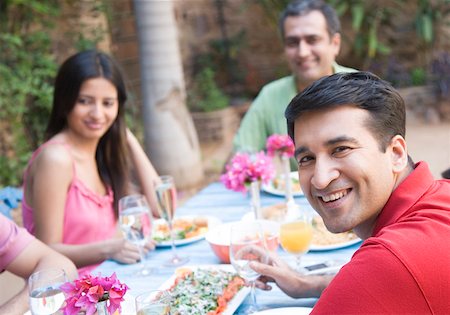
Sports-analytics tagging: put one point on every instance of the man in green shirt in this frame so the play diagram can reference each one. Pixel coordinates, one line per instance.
(311, 36)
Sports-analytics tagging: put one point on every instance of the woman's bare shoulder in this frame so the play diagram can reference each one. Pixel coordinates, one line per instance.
(56, 156)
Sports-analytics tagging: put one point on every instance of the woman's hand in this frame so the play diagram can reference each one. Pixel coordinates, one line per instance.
(122, 251)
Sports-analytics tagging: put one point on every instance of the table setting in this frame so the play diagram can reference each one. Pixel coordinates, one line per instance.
(204, 248)
(205, 227)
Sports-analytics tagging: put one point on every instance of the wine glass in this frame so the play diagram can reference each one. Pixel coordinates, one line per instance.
(296, 236)
(247, 244)
(46, 297)
(167, 200)
(154, 302)
(135, 220)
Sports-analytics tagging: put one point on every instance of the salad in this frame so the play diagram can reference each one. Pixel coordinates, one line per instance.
(203, 291)
(183, 228)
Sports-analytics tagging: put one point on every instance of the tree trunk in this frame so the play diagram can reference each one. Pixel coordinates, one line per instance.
(170, 137)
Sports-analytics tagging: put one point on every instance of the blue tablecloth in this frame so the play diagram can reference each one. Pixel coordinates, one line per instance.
(228, 206)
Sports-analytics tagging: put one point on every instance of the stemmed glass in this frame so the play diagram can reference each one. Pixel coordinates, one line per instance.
(296, 236)
(136, 223)
(247, 244)
(154, 302)
(46, 296)
(167, 201)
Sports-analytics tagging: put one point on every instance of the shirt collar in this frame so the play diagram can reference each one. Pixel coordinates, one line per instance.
(405, 196)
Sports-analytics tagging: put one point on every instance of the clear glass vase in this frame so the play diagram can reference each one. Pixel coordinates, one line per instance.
(255, 200)
(287, 178)
(292, 209)
(102, 308)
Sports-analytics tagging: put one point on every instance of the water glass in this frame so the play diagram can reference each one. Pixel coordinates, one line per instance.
(136, 224)
(156, 302)
(247, 244)
(46, 297)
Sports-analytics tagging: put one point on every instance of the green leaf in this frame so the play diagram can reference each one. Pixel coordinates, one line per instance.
(372, 42)
(427, 28)
(357, 16)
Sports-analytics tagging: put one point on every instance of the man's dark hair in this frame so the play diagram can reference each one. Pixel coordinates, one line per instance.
(303, 7)
(360, 89)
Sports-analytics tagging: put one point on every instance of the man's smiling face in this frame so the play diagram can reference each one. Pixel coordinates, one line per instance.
(343, 173)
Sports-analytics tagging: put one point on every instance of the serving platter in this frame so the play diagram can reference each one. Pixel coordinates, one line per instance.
(160, 229)
(286, 311)
(272, 188)
(232, 305)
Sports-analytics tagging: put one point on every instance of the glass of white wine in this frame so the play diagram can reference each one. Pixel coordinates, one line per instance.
(46, 297)
(136, 224)
(247, 244)
(167, 202)
(156, 302)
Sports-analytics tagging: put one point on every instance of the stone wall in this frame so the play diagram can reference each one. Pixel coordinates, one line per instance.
(259, 57)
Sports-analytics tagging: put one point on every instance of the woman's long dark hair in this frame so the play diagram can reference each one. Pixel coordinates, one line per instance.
(112, 150)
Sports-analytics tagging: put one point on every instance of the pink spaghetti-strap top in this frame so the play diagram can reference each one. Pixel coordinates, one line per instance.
(88, 217)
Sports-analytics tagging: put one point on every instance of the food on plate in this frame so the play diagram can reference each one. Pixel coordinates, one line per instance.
(275, 212)
(323, 237)
(183, 228)
(203, 291)
(279, 184)
(218, 238)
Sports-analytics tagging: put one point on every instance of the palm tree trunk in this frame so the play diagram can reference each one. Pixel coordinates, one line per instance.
(171, 141)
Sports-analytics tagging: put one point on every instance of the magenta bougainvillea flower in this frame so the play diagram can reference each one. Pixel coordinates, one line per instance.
(84, 293)
(244, 169)
(280, 144)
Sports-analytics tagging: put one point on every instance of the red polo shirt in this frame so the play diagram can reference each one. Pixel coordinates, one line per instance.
(404, 268)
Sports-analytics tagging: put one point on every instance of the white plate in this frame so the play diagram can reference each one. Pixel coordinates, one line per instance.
(212, 221)
(269, 188)
(233, 304)
(249, 216)
(339, 240)
(286, 311)
(317, 248)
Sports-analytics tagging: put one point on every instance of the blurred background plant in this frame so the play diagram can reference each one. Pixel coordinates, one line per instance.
(27, 68)
(204, 94)
(28, 65)
(230, 49)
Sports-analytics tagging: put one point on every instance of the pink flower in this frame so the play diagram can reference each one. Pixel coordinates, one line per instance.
(280, 144)
(85, 293)
(244, 169)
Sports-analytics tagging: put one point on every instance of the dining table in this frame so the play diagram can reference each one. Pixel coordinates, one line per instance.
(226, 205)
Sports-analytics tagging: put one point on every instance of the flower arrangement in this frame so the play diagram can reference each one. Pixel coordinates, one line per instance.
(280, 144)
(85, 293)
(244, 169)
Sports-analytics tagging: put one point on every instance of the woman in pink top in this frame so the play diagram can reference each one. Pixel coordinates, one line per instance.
(73, 181)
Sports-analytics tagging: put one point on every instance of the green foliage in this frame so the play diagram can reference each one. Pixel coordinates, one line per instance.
(27, 68)
(205, 95)
(367, 17)
(418, 76)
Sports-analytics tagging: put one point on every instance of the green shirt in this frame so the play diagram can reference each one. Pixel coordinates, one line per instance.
(265, 116)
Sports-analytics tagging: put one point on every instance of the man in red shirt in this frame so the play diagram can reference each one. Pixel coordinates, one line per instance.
(354, 168)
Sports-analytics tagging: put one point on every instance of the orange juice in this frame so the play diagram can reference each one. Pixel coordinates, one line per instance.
(295, 237)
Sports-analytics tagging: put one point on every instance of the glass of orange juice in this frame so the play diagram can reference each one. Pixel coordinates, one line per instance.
(296, 236)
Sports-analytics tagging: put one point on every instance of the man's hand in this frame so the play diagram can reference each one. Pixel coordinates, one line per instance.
(288, 280)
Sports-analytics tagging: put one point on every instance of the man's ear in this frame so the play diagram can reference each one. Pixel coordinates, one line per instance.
(336, 42)
(399, 153)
